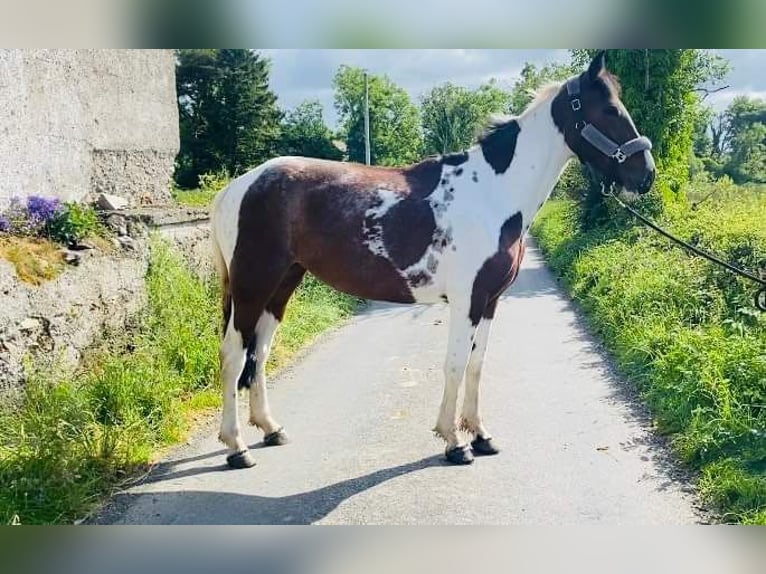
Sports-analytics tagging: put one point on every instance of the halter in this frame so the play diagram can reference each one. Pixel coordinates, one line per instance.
(595, 137)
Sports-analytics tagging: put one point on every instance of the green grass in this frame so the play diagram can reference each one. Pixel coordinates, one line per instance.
(209, 185)
(194, 197)
(67, 442)
(683, 330)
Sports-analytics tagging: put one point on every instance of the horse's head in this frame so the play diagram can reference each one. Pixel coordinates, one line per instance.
(599, 130)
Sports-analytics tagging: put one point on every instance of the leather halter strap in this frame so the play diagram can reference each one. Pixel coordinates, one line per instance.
(595, 137)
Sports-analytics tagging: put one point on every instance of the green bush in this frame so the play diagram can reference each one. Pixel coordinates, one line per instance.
(684, 330)
(73, 223)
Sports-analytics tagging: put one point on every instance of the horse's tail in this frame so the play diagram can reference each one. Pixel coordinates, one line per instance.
(220, 262)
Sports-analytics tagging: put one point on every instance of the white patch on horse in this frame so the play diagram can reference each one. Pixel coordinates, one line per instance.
(372, 226)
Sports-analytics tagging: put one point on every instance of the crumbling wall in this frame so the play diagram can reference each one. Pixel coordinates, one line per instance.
(58, 320)
(55, 322)
(75, 123)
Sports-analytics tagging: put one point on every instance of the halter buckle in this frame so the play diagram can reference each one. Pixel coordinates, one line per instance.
(576, 105)
(620, 156)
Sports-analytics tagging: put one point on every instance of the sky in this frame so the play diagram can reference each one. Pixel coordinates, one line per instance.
(298, 75)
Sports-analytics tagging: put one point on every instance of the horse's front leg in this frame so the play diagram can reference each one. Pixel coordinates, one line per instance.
(471, 420)
(461, 333)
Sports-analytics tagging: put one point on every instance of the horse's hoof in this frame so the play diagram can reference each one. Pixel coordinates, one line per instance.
(276, 438)
(460, 455)
(240, 460)
(484, 447)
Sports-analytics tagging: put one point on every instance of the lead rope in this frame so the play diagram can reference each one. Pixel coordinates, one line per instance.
(760, 295)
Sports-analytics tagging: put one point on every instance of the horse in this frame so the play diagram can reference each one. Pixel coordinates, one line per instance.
(450, 229)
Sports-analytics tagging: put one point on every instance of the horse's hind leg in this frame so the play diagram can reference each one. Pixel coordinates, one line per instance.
(249, 294)
(232, 365)
(260, 414)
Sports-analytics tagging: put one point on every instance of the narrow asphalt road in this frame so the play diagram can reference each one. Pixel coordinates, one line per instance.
(359, 407)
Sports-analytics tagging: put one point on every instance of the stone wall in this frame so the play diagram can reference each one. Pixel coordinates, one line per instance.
(74, 123)
(54, 323)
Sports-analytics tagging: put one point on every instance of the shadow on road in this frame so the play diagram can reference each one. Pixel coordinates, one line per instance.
(202, 507)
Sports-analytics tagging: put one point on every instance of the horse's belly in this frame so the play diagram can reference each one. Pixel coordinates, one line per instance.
(361, 275)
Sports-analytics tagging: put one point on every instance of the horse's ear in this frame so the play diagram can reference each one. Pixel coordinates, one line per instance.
(597, 65)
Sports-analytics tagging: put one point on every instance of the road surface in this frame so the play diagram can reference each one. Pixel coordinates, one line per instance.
(359, 406)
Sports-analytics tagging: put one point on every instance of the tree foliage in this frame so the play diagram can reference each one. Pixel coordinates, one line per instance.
(228, 115)
(395, 129)
(452, 115)
(305, 133)
(744, 138)
(737, 138)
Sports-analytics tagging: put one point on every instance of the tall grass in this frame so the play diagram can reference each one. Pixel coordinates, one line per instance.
(684, 330)
(68, 441)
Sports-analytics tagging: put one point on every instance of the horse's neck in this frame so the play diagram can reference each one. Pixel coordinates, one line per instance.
(540, 156)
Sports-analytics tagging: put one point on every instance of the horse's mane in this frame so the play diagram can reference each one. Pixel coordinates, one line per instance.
(497, 123)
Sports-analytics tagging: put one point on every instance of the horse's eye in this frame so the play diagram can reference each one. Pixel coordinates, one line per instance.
(612, 111)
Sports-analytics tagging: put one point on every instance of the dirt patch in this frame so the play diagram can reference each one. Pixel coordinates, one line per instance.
(35, 260)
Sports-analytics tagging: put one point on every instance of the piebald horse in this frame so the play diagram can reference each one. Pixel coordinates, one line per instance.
(449, 229)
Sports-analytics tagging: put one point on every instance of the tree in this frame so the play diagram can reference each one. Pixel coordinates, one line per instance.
(305, 133)
(532, 78)
(703, 138)
(744, 137)
(228, 115)
(453, 114)
(395, 131)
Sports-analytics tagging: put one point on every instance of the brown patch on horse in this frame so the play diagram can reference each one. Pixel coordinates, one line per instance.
(306, 214)
(498, 144)
(278, 302)
(498, 271)
(408, 230)
(225, 301)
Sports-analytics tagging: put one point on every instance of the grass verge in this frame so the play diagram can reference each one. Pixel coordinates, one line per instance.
(194, 197)
(66, 443)
(683, 330)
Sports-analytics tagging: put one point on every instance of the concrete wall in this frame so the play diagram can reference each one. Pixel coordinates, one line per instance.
(74, 123)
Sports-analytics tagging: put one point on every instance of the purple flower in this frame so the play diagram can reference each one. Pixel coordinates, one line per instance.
(41, 210)
(5, 225)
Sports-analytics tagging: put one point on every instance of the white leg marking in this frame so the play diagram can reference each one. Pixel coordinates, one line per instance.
(232, 363)
(458, 349)
(260, 414)
(471, 421)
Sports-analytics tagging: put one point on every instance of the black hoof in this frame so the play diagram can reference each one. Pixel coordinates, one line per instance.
(460, 455)
(276, 438)
(240, 460)
(484, 447)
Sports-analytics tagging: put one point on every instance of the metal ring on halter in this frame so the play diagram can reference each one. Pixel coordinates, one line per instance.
(620, 156)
